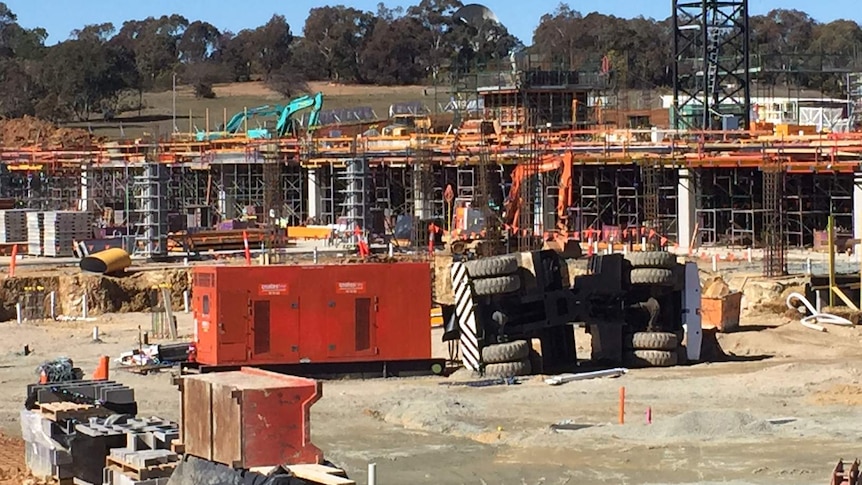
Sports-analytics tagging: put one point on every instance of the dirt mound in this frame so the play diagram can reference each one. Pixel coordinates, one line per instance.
(706, 424)
(134, 292)
(12, 467)
(28, 131)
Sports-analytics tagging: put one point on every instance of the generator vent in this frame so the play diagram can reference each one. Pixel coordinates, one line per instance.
(203, 280)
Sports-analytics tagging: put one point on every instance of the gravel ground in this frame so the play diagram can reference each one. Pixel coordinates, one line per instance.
(784, 406)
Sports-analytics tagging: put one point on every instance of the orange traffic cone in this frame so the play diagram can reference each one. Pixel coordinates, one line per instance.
(101, 373)
(43, 377)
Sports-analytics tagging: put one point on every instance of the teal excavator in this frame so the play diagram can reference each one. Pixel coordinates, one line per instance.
(284, 125)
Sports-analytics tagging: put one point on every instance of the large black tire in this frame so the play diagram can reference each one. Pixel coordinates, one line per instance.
(652, 259)
(494, 266)
(498, 285)
(653, 276)
(650, 341)
(650, 358)
(506, 352)
(509, 369)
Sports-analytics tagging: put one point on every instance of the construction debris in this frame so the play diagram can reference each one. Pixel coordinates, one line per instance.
(566, 378)
(715, 287)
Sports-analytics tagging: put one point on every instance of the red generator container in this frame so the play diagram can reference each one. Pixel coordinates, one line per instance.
(312, 314)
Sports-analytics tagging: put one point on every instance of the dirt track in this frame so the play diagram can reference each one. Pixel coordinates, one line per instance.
(785, 410)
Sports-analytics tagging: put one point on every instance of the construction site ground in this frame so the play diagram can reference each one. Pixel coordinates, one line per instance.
(782, 406)
(778, 401)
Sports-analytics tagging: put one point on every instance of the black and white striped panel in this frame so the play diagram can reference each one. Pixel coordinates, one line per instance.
(465, 312)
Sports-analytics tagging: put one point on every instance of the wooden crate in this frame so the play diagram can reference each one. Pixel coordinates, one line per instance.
(248, 418)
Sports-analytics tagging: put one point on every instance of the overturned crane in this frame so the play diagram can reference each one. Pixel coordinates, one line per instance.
(643, 310)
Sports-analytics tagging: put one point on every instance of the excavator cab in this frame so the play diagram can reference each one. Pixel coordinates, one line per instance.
(467, 220)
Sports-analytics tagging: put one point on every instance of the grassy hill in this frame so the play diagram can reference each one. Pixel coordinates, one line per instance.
(157, 114)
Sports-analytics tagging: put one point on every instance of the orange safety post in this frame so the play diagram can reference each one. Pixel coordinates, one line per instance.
(14, 260)
(102, 371)
(247, 249)
(622, 405)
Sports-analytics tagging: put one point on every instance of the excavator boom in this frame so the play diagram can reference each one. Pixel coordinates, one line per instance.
(304, 102)
(546, 164)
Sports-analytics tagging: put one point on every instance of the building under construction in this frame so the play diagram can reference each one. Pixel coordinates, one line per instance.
(716, 177)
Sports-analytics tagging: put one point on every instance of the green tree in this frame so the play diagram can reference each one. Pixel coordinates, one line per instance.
(339, 34)
(84, 76)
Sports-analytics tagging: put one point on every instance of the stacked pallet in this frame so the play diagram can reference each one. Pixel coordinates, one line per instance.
(35, 227)
(140, 467)
(62, 229)
(13, 226)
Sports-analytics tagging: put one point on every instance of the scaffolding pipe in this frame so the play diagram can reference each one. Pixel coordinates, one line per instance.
(113, 260)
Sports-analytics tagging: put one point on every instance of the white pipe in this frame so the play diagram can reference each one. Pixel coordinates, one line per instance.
(818, 301)
(714, 263)
(185, 301)
(748, 254)
(596, 247)
(564, 378)
(315, 255)
(53, 298)
(391, 250)
(812, 321)
(85, 311)
(372, 474)
(18, 312)
(643, 244)
(808, 266)
(95, 334)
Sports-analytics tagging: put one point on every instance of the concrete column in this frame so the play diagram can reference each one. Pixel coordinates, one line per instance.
(315, 193)
(857, 205)
(84, 202)
(686, 205)
(421, 196)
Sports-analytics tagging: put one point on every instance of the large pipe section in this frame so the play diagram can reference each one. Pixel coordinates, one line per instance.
(113, 260)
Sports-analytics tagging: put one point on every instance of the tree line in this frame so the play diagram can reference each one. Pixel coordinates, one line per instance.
(93, 70)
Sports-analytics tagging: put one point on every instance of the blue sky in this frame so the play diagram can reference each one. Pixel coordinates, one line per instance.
(61, 17)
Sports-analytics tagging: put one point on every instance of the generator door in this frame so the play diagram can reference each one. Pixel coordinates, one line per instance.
(352, 331)
(275, 328)
(233, 313)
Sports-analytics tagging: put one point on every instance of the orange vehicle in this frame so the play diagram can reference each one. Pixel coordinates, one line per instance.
(468, 222)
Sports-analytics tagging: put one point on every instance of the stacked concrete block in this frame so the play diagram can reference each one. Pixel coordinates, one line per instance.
(13, 226)
(112, 395)
(35, 235)
(132, 451)
(62, 229)
(44, 450)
